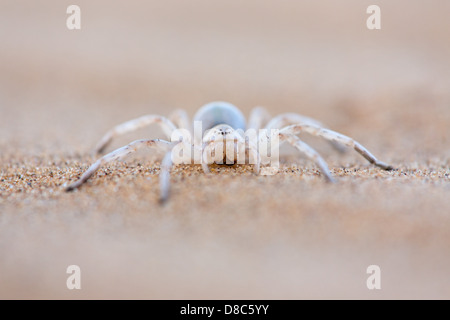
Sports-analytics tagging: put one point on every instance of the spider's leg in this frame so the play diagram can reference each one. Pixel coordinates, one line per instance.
(309, 152)
(181, 119)
(164, 177)
(259, 117)
(338, 138)
(244, 144)
(285, 119)
(119, 154)
(256, 157)
(167, 126)
(211, 153)
(207, 156)
(289, 118)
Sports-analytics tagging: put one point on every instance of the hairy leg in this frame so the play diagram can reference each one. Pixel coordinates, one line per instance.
(259, 117)
(167, 126)
(164, 177)
(337, 138)
(309, 152)
(181, 119)
(119, 154)
(286, 119)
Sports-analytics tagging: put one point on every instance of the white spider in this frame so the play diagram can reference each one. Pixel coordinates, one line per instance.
(222, 140)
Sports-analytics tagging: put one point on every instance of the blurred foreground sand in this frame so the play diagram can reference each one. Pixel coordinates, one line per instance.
(231, 235)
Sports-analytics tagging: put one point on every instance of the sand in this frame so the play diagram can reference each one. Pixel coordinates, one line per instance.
(231, 234)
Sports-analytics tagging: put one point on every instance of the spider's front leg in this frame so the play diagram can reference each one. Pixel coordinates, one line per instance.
(290, 118)
(119, 154)
(229, 149)
(338, 138)
(164, 177)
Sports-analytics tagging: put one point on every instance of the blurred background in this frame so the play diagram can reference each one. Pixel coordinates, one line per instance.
(313, 57)
(61, 89)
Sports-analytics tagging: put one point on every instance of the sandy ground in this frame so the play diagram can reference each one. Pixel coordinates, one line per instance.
(231, 234)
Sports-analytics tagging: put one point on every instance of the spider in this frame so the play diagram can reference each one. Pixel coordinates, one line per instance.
(222, 140)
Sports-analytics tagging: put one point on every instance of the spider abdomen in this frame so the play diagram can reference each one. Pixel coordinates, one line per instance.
(219, 112)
